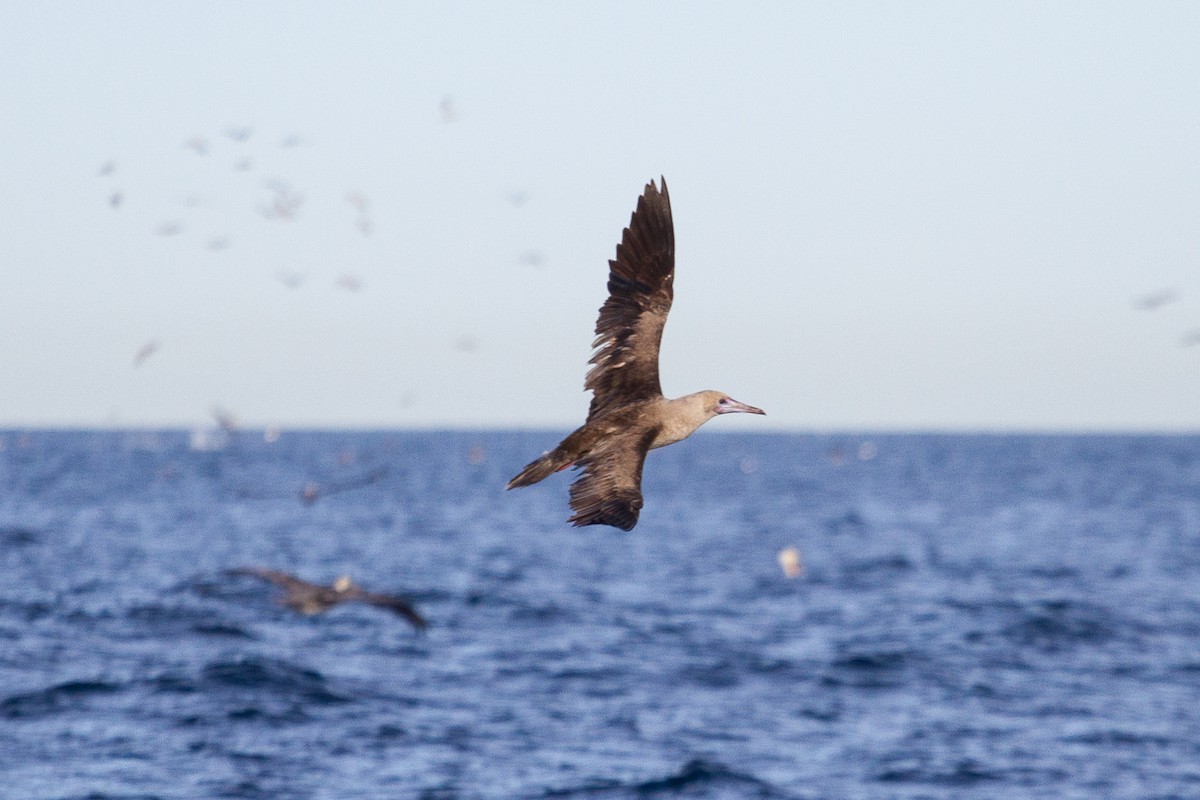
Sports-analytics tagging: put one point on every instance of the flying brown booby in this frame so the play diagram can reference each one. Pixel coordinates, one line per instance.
(628, 415)
(313, 598)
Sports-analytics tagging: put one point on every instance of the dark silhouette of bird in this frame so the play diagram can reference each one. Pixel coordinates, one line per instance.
(290, 279)
(628, 415)
(239, 134)
(1155, 300)
(144, 352)
(314, 598)
(198, 144)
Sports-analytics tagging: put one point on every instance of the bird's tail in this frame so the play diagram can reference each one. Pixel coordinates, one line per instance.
(543, 467)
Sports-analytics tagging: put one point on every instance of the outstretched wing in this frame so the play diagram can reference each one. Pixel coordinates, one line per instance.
(395, 605)
(640, 289)
(276, 577)
(610, 490)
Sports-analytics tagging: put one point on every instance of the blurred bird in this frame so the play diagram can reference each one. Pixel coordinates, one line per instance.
(466, 344)
(198, 145)
(312, 598)
(351, 283)
(144, 352)
(286, 202)
(224, 418)
(239, 134)
(1155, 300)
(531, 258)
(290, 279)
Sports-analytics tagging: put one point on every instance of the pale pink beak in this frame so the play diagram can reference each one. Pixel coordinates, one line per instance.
(727, 405)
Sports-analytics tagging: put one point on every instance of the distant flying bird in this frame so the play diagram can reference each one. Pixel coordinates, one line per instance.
(107, 168)
(466, 344)
(198, 144)
(224, 418)
(629, 415)
(360, 203)
(290, 279)
(144, 352)
(532, 258)
(239, 134)
(448, 109)
(115, 199)
(351, 283)
(286, 203)
(1155, 300)
(312, 598)
(169, 228)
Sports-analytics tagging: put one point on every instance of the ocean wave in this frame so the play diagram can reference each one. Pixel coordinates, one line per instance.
(869, 668)
(67, 696)
(697, 778)
(175, 620)
(18, 536)
(1057, 624)
(964, 772)
(273, 677)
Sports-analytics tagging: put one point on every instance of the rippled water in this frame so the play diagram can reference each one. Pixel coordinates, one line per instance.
(1002, 616)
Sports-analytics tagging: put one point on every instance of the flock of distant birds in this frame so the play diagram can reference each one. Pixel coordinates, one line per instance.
(285, 203)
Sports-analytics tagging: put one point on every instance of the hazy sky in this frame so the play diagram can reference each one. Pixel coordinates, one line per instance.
(888, 216)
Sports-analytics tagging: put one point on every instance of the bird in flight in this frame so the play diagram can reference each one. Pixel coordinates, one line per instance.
(314, 598)
(628, 415)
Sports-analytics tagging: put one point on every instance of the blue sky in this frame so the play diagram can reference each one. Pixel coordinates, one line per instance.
(888, 216)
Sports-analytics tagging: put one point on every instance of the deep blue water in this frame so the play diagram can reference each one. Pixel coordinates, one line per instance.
(980, 616)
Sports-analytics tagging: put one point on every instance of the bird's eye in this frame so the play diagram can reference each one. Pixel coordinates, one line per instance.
(722, 401)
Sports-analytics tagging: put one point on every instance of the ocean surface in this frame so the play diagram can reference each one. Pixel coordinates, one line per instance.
(978, 617)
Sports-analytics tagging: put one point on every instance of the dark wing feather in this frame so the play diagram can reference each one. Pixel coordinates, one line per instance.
(610, 490)
(276, 577)
(640, 290)
(393, 604)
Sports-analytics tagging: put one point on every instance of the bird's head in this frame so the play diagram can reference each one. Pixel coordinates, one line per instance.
(721, 403)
